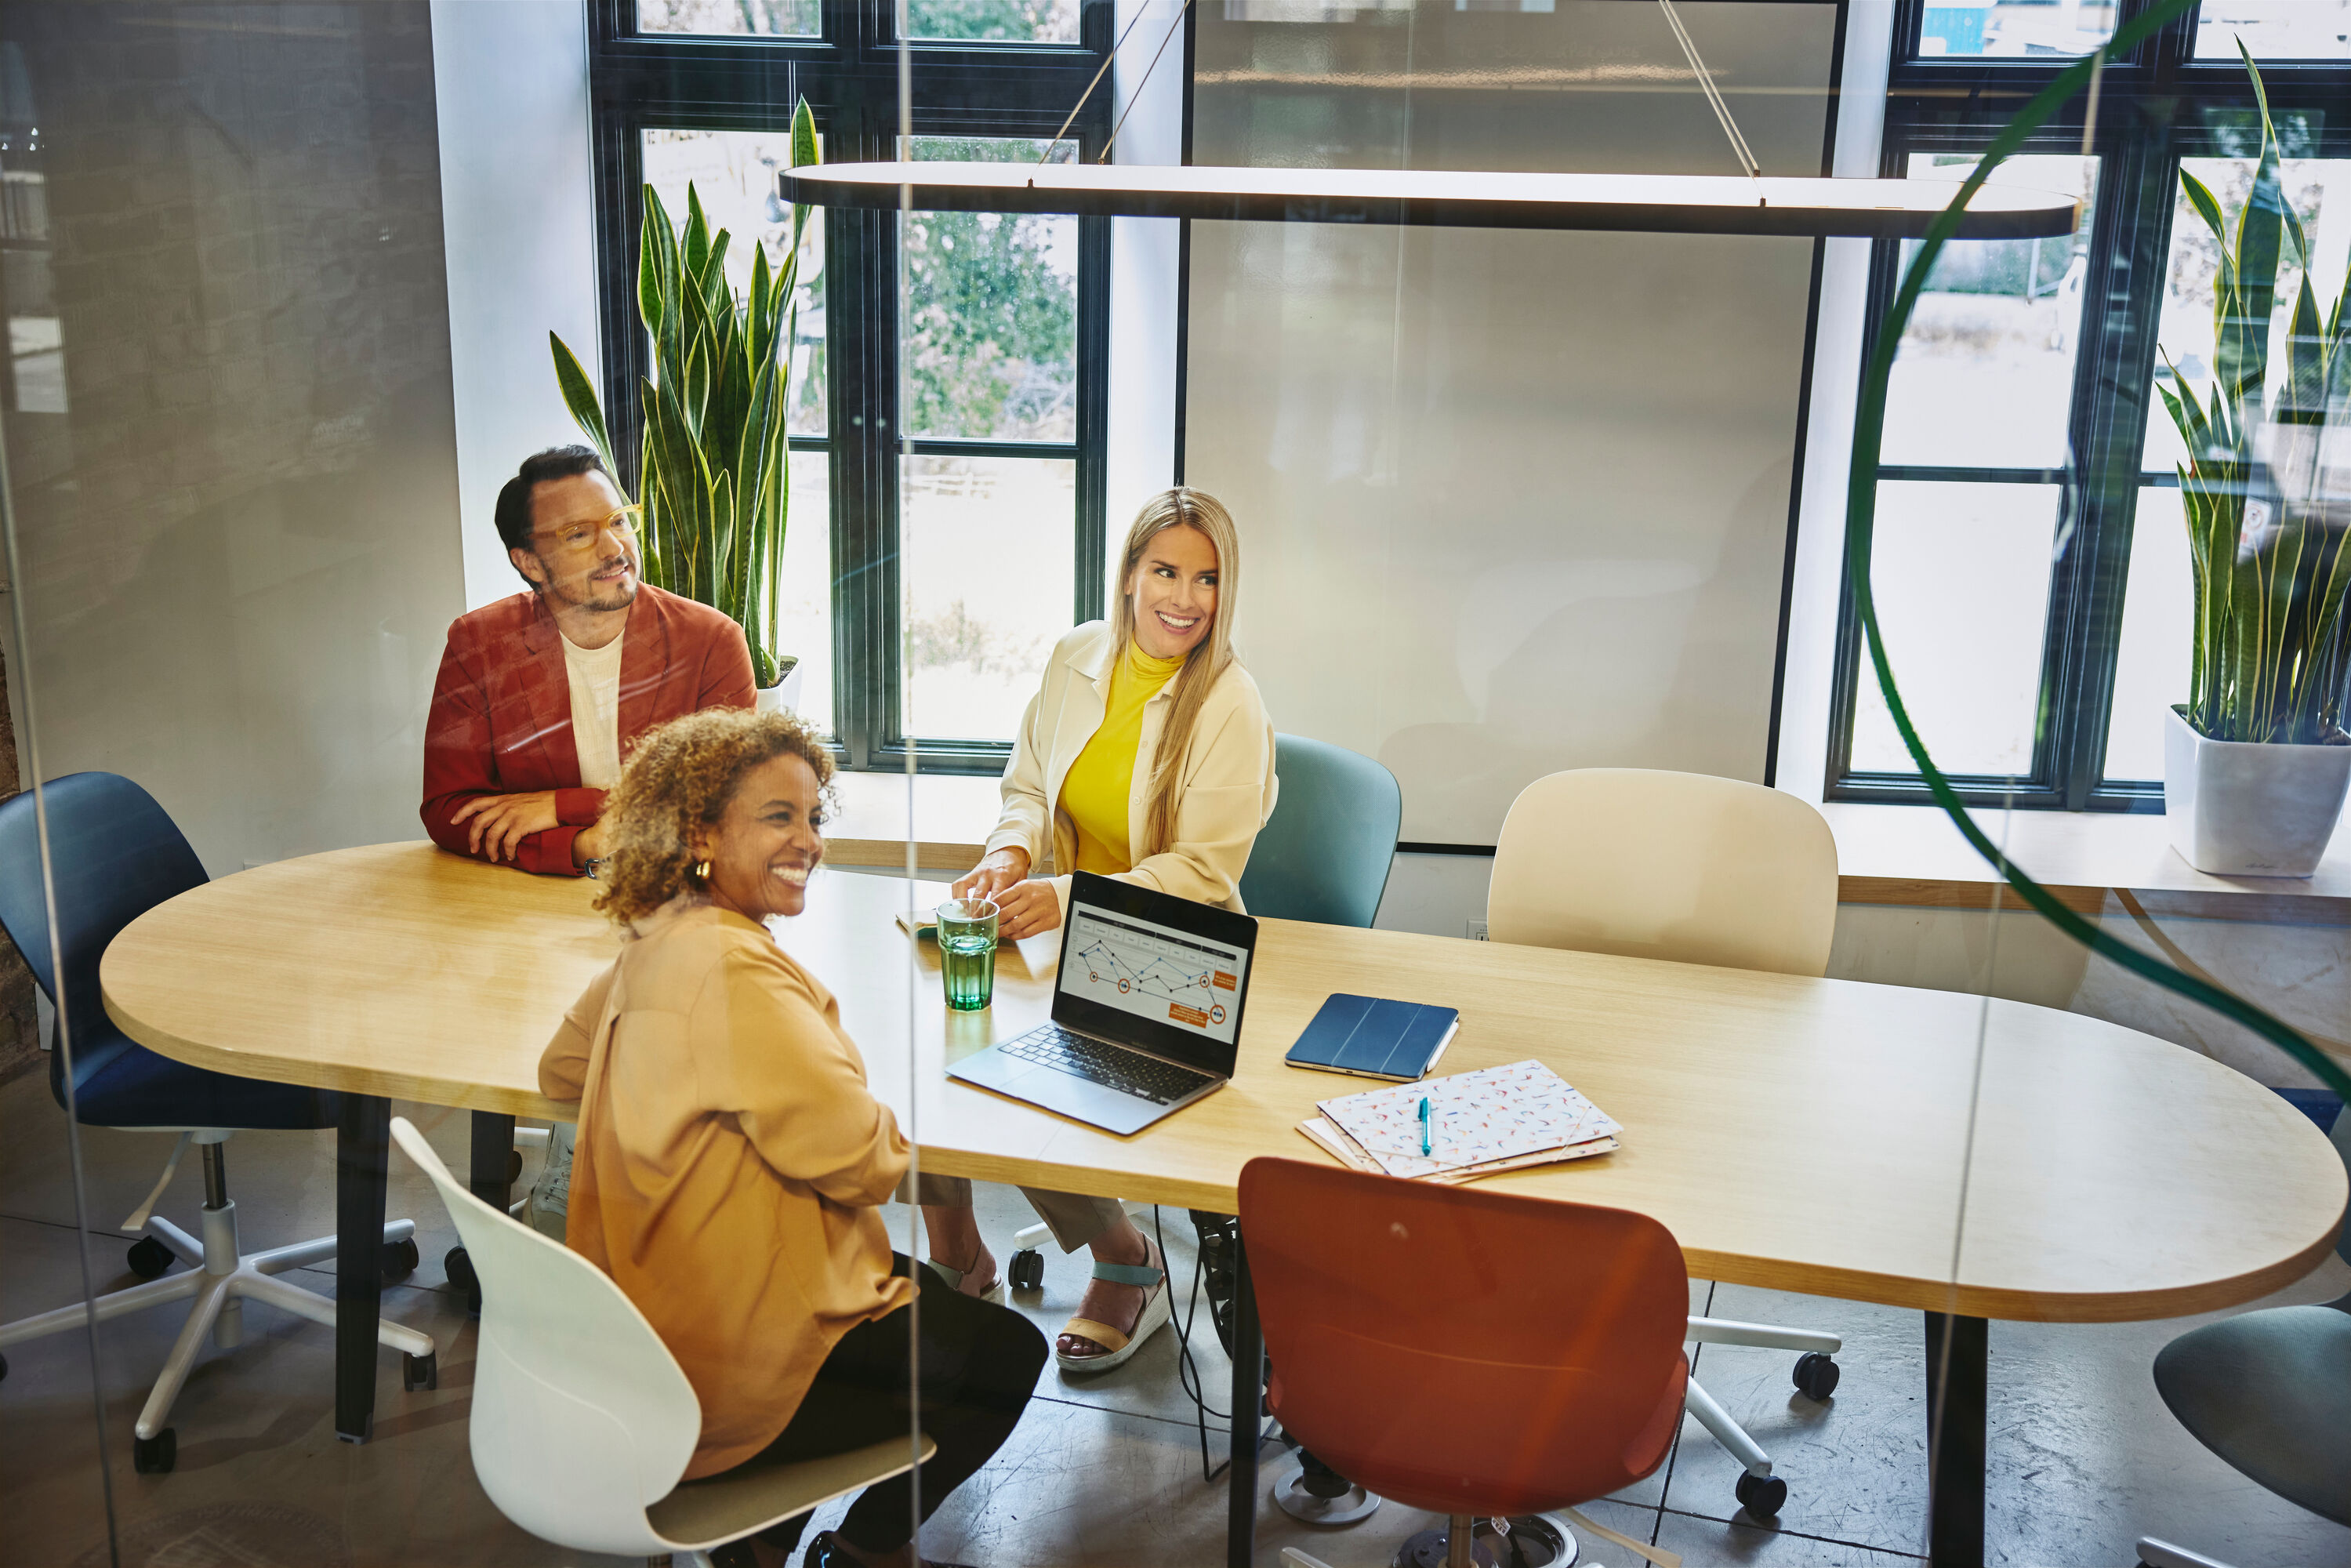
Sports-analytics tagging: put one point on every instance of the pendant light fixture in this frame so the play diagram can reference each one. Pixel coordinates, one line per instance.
(1755, 203)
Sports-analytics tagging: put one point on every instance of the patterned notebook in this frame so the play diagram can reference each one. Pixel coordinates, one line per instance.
(1480, 1119)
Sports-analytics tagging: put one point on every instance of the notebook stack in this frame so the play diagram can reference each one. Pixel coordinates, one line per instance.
(1474, 1124)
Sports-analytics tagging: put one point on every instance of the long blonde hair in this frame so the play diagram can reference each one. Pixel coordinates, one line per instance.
(1179, 508)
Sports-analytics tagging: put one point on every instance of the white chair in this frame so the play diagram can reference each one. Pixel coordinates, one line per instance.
(1697, 870)
(582, 1420)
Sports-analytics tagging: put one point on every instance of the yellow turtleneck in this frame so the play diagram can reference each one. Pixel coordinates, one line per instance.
(1099, 783)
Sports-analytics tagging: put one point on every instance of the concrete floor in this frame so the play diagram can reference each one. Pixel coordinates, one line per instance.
(2083, 1455)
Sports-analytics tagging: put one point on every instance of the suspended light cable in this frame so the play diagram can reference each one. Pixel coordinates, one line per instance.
(1079, 108)
(1713, 96)
(1137, 96)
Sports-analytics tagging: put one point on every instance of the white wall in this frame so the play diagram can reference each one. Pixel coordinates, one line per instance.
(1828, 441)
(1513, 502)
(518, 192)
(1149, 107)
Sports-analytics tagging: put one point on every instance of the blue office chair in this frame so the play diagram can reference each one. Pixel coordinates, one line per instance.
(1325, 853)
(2270, 1392)
(113, 855)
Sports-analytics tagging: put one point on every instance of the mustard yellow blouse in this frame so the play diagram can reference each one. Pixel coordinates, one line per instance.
(1099, 784)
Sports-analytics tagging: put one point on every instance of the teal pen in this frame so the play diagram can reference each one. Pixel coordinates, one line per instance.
(1424, 1123)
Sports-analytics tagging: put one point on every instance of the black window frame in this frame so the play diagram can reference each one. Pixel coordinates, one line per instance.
(850, 75)
(2150, 105)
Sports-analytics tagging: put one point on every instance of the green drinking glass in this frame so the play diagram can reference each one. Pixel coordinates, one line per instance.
(968, 952)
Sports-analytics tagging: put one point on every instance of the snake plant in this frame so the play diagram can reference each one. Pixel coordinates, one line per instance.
(711, 486)
(2265, 538)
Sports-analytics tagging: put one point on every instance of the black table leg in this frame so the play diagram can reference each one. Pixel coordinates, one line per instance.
(1958, 1381)
(362, 1159)
(492, 1158)
(1249, 1390)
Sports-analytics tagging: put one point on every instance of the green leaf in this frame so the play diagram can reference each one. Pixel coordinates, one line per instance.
(805, 154)
(579, 397)
(694, 244)
(2241, 362)
(657, 267)
(2200, 197)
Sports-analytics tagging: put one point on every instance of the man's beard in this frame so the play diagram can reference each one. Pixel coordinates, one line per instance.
(616, 596)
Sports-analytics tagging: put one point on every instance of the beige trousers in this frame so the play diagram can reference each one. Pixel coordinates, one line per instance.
(1075, 1220)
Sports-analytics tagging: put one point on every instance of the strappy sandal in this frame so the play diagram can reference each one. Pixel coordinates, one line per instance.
(956, 1276)
(1117, 1347)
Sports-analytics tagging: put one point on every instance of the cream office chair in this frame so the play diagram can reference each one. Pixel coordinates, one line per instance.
(1697, 870)
(583, 1422)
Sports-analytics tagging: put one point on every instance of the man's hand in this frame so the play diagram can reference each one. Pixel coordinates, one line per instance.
(1025, 909)
(1001, 870)
(501, 822)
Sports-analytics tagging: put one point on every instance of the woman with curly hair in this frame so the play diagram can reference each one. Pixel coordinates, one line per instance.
(731, 1158)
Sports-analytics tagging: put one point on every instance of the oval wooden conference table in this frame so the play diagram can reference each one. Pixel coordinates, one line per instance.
(1803, 1134)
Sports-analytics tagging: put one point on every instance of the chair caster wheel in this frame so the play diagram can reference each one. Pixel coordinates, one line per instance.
(155, 1456)
(1028, 1269)
(1761, 1496)
(1816, 1374)
(401, 1257)
(150, 1258)
(460, 1271)
(420, 1371)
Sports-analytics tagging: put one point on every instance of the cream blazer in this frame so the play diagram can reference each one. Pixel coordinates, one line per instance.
(1226, 772)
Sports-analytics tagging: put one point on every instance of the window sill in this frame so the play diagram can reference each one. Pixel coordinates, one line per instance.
(1914, 855)
(1908, 855)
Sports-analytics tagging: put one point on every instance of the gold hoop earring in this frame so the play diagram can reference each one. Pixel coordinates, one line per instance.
(702, 870)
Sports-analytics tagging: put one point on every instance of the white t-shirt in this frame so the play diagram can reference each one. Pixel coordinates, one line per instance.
(595, 677)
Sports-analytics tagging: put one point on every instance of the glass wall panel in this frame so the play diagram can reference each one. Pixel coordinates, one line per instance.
(2274, 29)
(989, 588)
(1962, 574)
(1985, 376)
(754, 18)
(994, 21)
(2014, 28)
(2158, 621)
(734, 174)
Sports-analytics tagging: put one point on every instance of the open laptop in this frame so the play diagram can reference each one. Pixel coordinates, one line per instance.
(1146, 1010)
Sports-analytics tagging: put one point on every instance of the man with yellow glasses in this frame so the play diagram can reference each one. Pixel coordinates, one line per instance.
(542, 694)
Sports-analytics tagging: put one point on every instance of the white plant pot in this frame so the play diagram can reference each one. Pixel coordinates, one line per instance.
(784, 696)
(2239, 809)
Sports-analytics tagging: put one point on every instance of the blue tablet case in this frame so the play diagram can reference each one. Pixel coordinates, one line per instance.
(1370, 1038)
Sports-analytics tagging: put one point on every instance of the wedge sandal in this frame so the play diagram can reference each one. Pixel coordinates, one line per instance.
(1119, 1348)
(954, 1279)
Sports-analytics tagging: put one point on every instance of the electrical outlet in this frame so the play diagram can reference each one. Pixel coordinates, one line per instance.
(1477, 931)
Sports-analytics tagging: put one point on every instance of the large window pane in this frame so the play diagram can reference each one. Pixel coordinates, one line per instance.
(994, 21)
(1985, 375)
(987, 587)
(2320, 192)
(804, 609)
(762, 18)
(1961, 578)
(2151, 669)
(991, 340)
(2274, 29)
(733, 172)
(2015, 28)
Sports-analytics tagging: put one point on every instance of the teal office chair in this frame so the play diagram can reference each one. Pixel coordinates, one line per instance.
(2270, 1392)
(1324, 854)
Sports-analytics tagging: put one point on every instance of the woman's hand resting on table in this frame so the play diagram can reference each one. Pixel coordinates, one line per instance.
(1024, 908)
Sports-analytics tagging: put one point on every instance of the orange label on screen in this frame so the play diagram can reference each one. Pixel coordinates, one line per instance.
(1183, 1014)
(1225, 982)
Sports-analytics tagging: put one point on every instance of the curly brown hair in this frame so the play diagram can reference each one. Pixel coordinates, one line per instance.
(679, 780)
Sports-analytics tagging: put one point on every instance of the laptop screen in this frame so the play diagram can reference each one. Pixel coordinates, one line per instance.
(1145, 968)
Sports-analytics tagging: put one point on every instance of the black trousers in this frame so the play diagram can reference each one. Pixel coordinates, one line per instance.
(977, 1365)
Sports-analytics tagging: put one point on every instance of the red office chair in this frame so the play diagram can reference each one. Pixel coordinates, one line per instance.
(1474, 1354)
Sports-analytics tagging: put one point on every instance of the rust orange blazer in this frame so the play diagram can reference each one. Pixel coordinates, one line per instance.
(501, 716)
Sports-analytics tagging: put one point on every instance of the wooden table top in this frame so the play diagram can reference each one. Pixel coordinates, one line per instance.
(1803, 1134)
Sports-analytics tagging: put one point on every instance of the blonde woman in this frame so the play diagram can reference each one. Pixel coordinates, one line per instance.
(732, 1162)
(1147, 757)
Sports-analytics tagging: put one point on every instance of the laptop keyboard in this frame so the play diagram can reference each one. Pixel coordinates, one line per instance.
(1128, 1072)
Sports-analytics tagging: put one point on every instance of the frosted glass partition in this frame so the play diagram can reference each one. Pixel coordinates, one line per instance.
(1538, 485)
